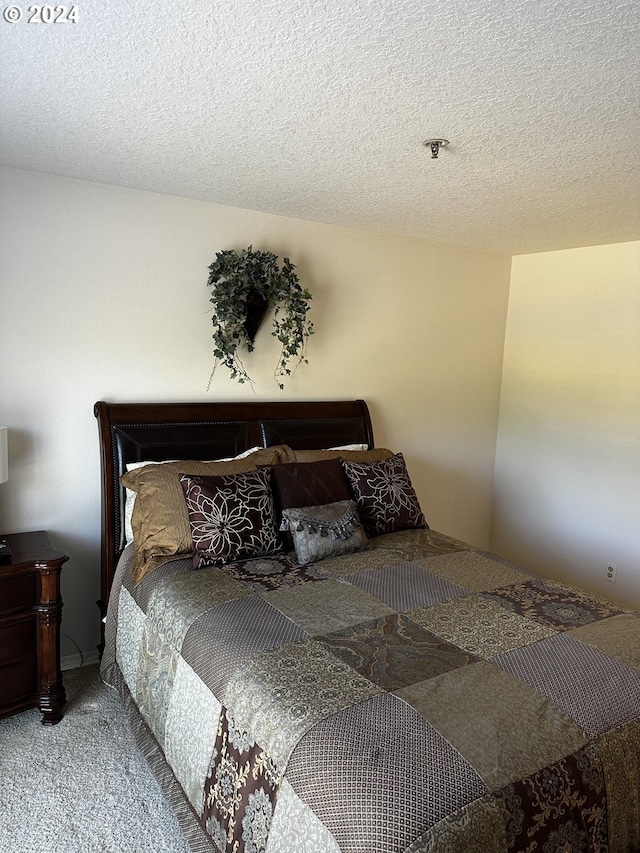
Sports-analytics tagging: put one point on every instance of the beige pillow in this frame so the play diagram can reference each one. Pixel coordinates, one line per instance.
(130, 496)
(160, 521)
(377, 454)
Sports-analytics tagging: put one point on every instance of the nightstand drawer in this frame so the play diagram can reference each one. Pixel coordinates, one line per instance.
(30, 610)
(18, 681)
(17, 593)
(18, 640)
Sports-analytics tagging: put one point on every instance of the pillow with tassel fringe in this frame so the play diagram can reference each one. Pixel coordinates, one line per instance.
(324, 531)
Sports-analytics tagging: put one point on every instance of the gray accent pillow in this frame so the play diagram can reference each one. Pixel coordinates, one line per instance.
(324, 531)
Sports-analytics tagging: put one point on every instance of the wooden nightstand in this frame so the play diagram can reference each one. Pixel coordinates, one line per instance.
(30, 611)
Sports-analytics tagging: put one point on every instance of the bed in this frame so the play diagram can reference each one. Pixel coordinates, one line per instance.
(331, 675)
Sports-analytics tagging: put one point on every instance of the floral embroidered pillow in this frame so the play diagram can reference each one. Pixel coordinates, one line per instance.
(231, 516)
(384, 495)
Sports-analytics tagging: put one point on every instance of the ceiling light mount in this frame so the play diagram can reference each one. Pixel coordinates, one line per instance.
(435, 145)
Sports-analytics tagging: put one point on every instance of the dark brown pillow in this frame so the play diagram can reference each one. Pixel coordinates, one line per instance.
(231, 517)
(373, 455)
(384, 495)
(299, 484)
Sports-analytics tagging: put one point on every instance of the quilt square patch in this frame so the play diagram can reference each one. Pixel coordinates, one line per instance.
(595, 690)
(191, 730)
(378, 775)
(363, 561)
(503, 561)
(240, 791)
(620, 754)
(474, 706)
(418, 543)
(553, 605)
(618, 637)
(471, 570)
(480, 625)
(283, 693)
(561, 807)
(266, 573)
(229, 635)
(327, 606)
(394, 651)
(406, 586)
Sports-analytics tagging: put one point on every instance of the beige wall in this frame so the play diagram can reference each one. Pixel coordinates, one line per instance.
(104, 297)
(567, 480)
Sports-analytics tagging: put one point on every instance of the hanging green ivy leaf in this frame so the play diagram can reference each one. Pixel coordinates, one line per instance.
(238, 282)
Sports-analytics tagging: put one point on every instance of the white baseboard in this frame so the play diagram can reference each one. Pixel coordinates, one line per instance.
(75, 661)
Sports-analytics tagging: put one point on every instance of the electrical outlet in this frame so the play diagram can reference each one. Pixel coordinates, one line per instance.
(610, 573)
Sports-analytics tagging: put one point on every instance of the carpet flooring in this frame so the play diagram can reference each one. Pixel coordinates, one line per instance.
(81, 786)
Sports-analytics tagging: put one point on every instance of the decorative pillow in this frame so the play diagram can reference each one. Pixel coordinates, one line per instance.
(130, 495)
(310, 483)
(384, 495)
(231, 517)
(373, 455)
(160, 522)
(324, 531)
(130, 498)
(299, 484)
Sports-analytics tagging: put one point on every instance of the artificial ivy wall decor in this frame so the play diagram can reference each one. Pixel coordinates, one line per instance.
(245, 286)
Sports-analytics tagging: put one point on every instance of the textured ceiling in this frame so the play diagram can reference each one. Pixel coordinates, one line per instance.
(317, 109)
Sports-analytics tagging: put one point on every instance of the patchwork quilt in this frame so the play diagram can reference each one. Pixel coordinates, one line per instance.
(417, 696)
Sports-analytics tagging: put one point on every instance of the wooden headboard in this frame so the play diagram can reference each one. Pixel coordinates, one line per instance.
(135, 432)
